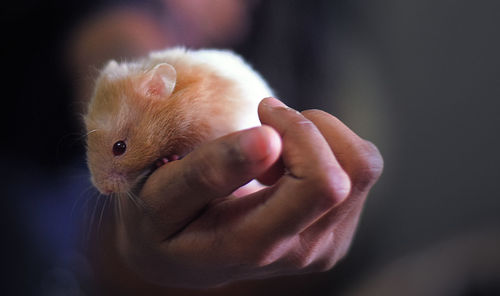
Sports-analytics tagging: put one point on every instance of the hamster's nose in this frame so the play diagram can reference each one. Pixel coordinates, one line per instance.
(110, 187)
(107, 191)
(106, 188)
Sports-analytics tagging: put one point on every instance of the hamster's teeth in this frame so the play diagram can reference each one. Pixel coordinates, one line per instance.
(160, 162)
(164, 160)
(173, 157)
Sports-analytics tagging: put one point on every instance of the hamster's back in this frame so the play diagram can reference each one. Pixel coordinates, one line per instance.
(226, 64)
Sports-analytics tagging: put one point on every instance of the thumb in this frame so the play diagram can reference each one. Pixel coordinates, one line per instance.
(178, 191)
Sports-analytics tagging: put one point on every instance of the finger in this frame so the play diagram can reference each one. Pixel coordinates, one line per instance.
(340, 222)
(300, 139)
(363, 163)
(178, 191)
(315, 181)
(360, 158)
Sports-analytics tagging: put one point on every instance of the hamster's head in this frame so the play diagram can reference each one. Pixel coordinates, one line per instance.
(123, 132)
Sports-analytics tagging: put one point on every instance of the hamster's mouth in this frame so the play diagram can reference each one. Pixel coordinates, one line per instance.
(156, 165)
(164, 160)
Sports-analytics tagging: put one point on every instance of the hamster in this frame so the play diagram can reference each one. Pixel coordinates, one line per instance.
(150, 111)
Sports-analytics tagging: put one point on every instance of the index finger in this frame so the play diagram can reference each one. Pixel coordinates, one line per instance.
(359, 158)
(315, 181)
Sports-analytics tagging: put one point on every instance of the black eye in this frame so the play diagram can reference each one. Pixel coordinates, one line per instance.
(119, 148)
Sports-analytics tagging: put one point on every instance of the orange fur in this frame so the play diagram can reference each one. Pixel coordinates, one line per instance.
(202, 107)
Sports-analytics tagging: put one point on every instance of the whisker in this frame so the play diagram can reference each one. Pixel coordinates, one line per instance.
(132, 199)
(86, 195)
(90, 132)
(103, 209)
(120, 210)
(142, 178)
(81, 213)
(137, 200)
(72, 139)
(115, 209)
(91, 222)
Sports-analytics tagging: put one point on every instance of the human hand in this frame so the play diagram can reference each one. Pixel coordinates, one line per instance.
(192, 232)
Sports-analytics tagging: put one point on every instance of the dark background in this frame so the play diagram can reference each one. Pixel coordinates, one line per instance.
(421, 79)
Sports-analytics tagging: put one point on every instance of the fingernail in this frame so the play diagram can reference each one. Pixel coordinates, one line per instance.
(273, 103)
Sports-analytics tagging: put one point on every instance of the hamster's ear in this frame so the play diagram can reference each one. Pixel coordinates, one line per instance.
(159, 81)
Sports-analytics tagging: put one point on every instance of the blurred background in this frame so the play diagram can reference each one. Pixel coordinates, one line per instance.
(420, 79)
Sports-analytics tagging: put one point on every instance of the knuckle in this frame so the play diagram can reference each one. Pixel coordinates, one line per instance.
(255, 255)
(341, 250)
(370, 166)
(331, 186)
(261, 257)
(302, 261)
(331, 251)
(342, 253)
(329, 260)
(325, 264)
(262, 260)
(314, 113)
(302, 124)
(305, 254)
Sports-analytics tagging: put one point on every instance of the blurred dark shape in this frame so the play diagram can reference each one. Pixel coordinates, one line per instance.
(468, 265)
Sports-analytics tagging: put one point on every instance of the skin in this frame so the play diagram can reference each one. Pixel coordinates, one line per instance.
(191, 232)
(200, 236)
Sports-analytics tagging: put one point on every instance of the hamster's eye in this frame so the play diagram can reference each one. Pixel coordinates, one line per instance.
(119, 148)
